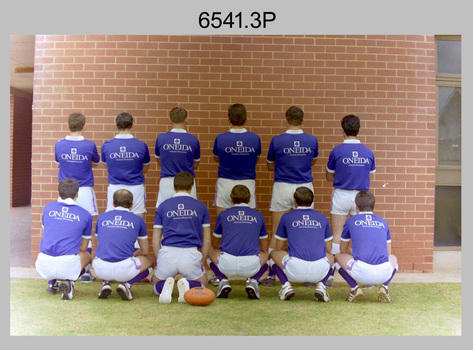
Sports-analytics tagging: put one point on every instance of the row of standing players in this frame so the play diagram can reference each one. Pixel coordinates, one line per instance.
(301, 247)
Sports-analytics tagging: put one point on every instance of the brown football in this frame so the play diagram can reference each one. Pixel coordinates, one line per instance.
(199, 296)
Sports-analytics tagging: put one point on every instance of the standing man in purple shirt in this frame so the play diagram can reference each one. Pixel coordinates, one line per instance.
(370, 262)
(67, 229)
(115, 258)
(127, 160)
(181, 241)
(176, 151)
(309, 239)
(239, 245)
(75, 157)
(236, 151)
(291, 156)
(351, 166)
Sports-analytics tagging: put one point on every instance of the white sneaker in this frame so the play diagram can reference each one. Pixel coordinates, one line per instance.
(183, 287)
(166, 294)
(321, 293)
(286, 292)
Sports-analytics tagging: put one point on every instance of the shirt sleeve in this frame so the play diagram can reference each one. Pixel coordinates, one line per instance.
(328, 232)
(147, 158)
(156, 148)
(346, 233)
(215, 149)
(270, 157)
(104, 153)
(206, 217)
(87, 234)
(316, 148)
(218, 227)
(263, 232)
(197, 152)
(331, 162)
(281, 232)
(95, 155)
(158, 223)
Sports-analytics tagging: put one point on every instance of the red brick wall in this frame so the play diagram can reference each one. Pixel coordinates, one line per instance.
(20, 147)
(389, 81)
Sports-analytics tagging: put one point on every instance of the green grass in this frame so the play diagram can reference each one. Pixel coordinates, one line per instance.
(417, 309)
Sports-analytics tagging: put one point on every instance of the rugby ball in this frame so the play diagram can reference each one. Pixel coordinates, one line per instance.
(199, 296)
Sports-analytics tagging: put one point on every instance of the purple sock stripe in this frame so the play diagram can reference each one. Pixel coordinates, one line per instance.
(158, 287)
(138, 277)
(194, 284)
(281, 275)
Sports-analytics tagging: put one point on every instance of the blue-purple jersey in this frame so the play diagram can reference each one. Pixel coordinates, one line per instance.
(75, 156)
(117, 231)
(369, 235)
(237, 151)
(177, 150)
(306, 231)
(293, 153)
(125, 156)
(182, 219)
(65, 224)
(240, 228)
(352, 162)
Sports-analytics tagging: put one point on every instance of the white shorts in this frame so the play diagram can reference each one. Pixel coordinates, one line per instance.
(298, 270)
(223, 190)
(365, 273)
(175, 260)
(166, 190)
(64, 267)
(87, 200)
(139, 197)
(120, 271)
(343, 202)
(282, 198)
(243, 266)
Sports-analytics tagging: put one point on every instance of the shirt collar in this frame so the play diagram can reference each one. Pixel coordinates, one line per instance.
(294, 131)
(123, 136)
(179, 130)
(366, 212)
(241, 205)
(182, 194)
(238, 131)
(68, 201)
(74, 138)
(121, 208)
(351, 141)
(300, 207)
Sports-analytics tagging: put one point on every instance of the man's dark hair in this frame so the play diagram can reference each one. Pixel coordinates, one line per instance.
(124, 121)
(237, 114)
(68, 188)
(76, 121)
(122, 198)
(183, 181)
(178, 115)
(240, 194)
(294, 116)
(304, 196)
(351, 124)
(365, 201)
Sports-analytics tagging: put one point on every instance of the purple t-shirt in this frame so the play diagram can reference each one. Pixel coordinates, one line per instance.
(369, 235)
(177, 150)
(237, 151)
(65, 224)
(125, 156)
(75, 156)
(182, 218)
(293, 153)
(352, 162)
(240, 228)
(306, 231)
(117, 231)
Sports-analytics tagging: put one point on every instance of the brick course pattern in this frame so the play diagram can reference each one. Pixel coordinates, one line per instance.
(388, 80)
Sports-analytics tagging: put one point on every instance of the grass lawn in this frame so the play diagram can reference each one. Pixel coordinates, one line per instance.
(417, 309)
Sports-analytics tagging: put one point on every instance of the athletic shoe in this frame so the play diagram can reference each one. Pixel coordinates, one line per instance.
(214, 281)
(269, 281)
(383, 295)
(52, 288)
(252, 289)
(106, 290)
(67, 289)
(330, 282)
(286, 292)
(224, 288)
(355, 295)
(321, 293)
(87, 278)
(166, 294)
(125, 292)
(183, 287)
